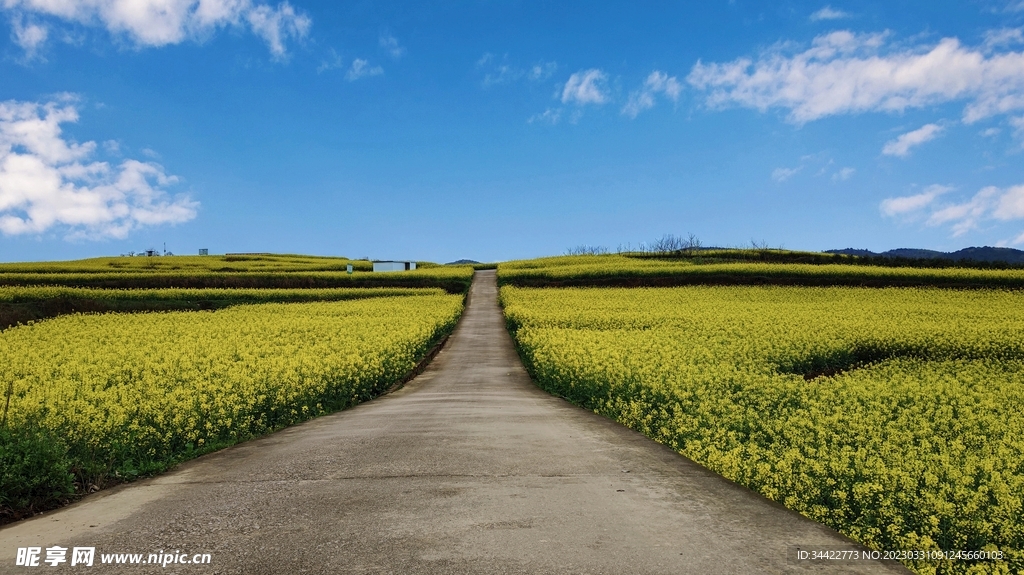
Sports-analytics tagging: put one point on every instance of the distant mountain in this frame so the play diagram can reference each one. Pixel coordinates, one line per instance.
(853, 252)
(983, 254)
(918, 254)
(461, 262)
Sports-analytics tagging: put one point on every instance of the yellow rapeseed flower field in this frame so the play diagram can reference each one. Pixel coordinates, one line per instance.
(895, 416)
(18, 294)
(623, 270)
(130, 393)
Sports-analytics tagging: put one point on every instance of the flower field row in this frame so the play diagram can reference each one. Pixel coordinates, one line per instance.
(127, 394)
(895, 416)
(620, 270)
(192, 264)
(453, 279)
(26, 294)
(24, 304)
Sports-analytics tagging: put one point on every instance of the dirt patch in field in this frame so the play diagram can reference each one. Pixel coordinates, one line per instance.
(831, 371)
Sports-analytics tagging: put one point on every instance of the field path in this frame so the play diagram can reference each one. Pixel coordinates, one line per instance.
(470, 468)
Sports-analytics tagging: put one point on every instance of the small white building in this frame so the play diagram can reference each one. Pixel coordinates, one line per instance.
(393, 266)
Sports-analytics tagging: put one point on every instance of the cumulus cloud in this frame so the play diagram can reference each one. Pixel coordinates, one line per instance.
(1011, 204)
(507, 73)
(1018, 125)
(988, 204)
(502, 74)
(549, 116)
(820, 162)
(1004, 37)
(163, 22)
(48, 182)
(390, 44)
(657, 83)
(844, 72)
(586, 87)
(908, 204)
(30, 37)
(782, 174)
(360, 69)
(333, 61)
(828, 13)
(843, 174)
(542, 70)
(276, 25)
(965, 216)
(901, 145)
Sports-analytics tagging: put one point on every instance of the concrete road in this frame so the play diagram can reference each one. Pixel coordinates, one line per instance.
(469, 468)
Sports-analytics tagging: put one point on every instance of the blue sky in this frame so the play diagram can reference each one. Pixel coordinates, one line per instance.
(496, 130)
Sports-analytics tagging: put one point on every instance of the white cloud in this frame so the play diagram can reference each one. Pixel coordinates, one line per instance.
(390, 44)
(502, 74)
(901, 145)
(549, 116)
(360, 69)
(843, 174)
(585, 87)
(908, 204)
(163, 22)
(1004, 37)
(505, 73)
(1011, 204)
(30, 37)
(543, 70)
(966, 216)
(643, 99)
(276, 25)
(819, 161)
(332, 62)
(782, 174)
(990, 132)
(829, 13)
(1018, 125)
(989, 204)
(843, 72)
(48, 182)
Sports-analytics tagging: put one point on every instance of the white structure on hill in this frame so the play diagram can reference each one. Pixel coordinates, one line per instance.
(393, 266)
